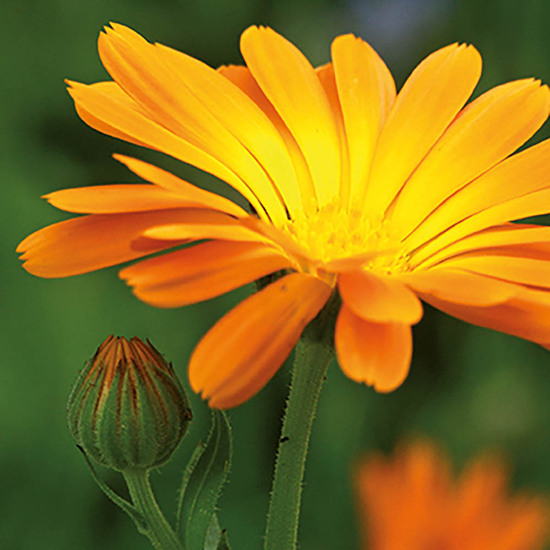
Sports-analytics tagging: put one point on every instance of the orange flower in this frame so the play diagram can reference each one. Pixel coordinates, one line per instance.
(390, 198)
(411, 502)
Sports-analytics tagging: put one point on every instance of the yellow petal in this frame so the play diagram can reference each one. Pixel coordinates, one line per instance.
(500, 236)
(378, 354)
(243, 118)
(244, 349)
(379, 298)
(533, 204)
(517, 176)
(291, 85)
(366, 91)
(242, 77)
(201, 272)
(485, 132)
(147, 73)
(327, 78)
(430, 99)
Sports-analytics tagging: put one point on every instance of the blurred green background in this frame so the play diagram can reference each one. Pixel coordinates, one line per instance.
(469, 388)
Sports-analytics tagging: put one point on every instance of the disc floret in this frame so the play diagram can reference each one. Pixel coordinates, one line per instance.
(332, 232)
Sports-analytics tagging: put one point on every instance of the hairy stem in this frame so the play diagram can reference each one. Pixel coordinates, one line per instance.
(314, 352)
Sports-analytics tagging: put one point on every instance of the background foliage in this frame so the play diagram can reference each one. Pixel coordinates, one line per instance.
(469, 388)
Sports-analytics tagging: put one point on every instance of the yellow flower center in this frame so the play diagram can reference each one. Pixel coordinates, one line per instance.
(333, 233)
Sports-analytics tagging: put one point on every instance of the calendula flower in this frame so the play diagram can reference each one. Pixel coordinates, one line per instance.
(128, 410)
(412, 501)
(390, 198)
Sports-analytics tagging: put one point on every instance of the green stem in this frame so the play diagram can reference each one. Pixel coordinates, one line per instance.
(158, 529)
(313, 354)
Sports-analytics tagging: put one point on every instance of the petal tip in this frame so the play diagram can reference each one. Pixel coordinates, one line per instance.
(257, 30)
(106, 30)
(382, 388)
(220, 404)
(124, 159)
(114, 27)
(126, 276)
(73, 86)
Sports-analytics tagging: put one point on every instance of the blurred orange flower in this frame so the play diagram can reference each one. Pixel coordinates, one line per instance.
(390, 198)
(412, 502)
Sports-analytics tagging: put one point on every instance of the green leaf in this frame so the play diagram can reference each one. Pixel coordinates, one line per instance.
(201, 487)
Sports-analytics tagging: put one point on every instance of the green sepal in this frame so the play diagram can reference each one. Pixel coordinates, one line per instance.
(122, 503)
(128, 409)
(216, 538)
(223, 543)
(201, 487)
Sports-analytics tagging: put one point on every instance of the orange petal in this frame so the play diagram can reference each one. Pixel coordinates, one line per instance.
(428, 102)
(500, 236)
(418, 473)
(175, 91)
(534, 204)
(485, 132)
(291, 85)
(190, 192)
(91, 242)
(527, 524)
(244, 349)
(366, 92)
(118, 99)
(494, 192)
(483, 485)
(201, 272)
(243, 118)
(379, 298)
(112, 199)
(459, 286)
(377, 354)
(198, 227)
(520, 269)
(526, 315)
(107, 108)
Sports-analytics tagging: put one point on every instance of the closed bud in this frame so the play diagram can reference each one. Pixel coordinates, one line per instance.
(127, 409)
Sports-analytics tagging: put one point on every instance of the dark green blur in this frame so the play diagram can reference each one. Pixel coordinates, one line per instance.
(469, 388)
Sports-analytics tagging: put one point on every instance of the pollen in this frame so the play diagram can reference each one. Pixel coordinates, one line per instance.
(331, 232)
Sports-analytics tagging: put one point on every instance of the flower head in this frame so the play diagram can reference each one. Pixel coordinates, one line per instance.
(128, 409)
(390, 198)
(412, 501)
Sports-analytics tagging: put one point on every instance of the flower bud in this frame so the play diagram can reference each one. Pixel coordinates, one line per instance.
(127, 409)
